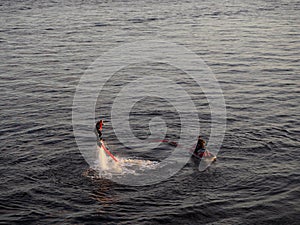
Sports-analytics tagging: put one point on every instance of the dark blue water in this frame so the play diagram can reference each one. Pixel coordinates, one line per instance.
(252, 48)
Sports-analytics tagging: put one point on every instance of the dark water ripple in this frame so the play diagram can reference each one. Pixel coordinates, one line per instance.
(253, 49)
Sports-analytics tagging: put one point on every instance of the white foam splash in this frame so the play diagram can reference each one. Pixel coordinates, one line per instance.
(108, 167)
(103, 162)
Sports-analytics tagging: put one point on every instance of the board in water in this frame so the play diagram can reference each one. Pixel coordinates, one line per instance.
(207, 156)
(205, 159)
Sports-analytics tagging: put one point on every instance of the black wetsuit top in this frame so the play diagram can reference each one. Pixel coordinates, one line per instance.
(97, 131)
(199, 147)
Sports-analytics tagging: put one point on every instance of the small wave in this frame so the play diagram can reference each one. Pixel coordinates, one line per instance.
(101, 25)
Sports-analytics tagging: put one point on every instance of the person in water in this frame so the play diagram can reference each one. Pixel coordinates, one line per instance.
(200, 148)
(98, 129)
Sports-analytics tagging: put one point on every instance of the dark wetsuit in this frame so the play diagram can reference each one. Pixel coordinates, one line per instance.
(200, 147)
(98, 132)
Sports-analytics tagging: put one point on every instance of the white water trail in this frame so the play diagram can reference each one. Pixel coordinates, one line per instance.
(107, 167)
(103, 161)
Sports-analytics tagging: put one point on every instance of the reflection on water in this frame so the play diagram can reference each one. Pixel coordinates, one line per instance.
(104, 192)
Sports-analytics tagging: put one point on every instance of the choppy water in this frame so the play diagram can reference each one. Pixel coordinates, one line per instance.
(252, 48)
